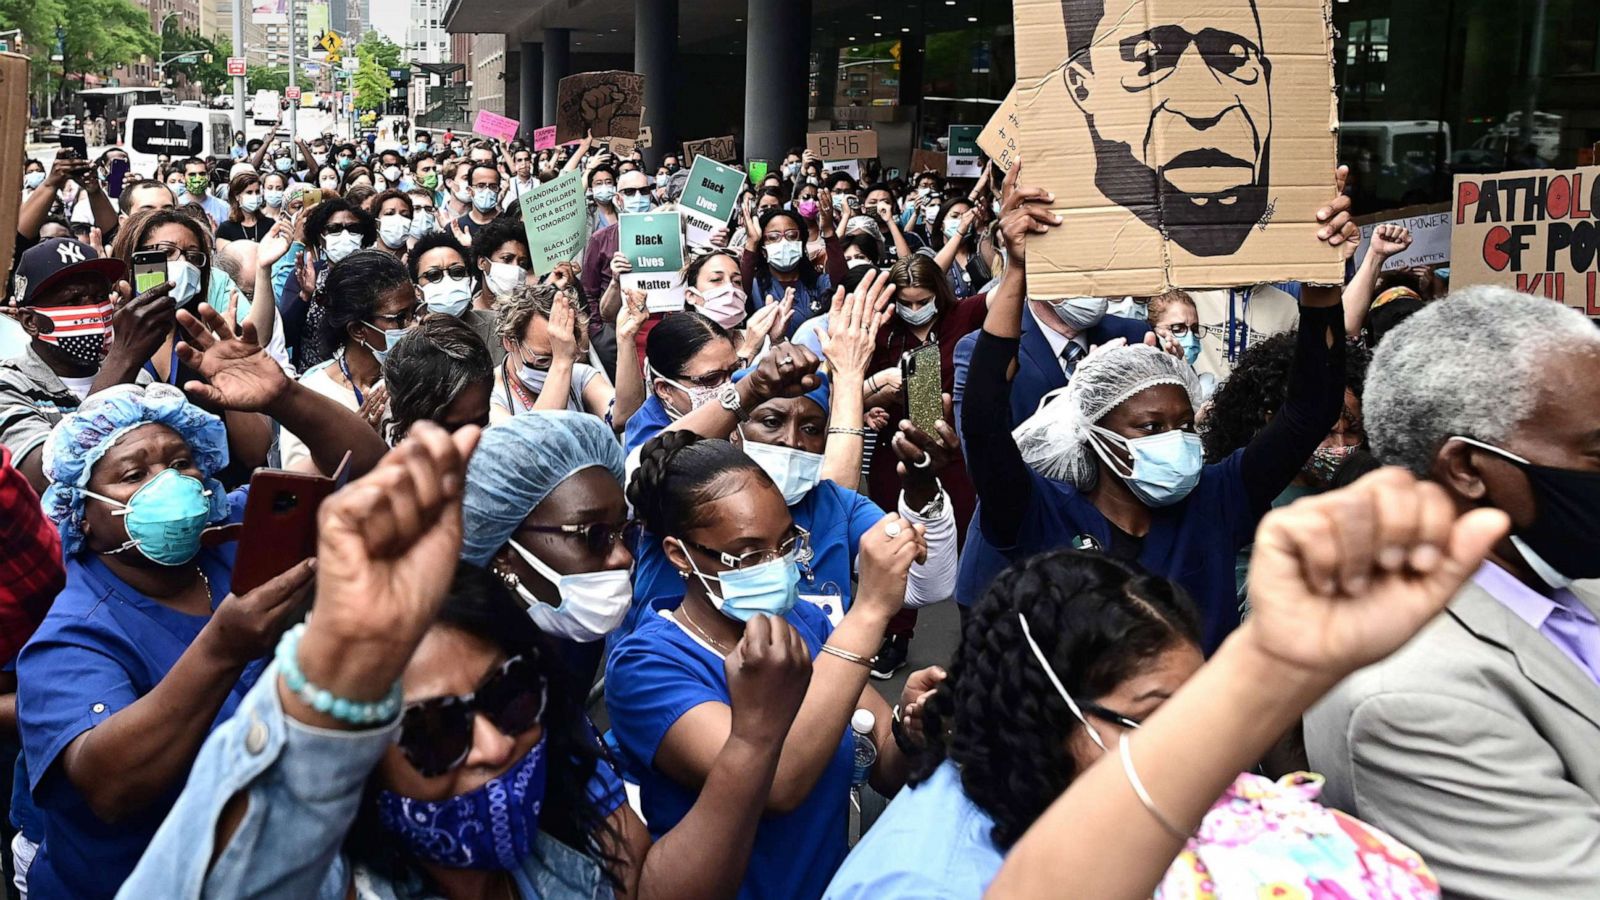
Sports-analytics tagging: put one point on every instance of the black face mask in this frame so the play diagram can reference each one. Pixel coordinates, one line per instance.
(1565, 534)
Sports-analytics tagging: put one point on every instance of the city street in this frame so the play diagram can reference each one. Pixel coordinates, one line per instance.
(309, 123)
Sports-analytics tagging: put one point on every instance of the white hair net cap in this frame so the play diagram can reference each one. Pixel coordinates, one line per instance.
(85, 435)
(1055, 440)
(518, 463)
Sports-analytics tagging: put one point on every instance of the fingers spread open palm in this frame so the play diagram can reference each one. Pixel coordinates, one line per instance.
(238, 373)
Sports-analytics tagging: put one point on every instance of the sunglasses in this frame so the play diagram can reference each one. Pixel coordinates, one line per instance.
(340, 228)
(436, 734)
(434, 276)
(598, 537)
(634, 192)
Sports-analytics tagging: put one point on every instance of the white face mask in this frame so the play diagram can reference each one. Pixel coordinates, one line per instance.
(393, 230)
(342, 244)
(503, 278)
(422, 226)
(448, 295)
(1080, 313)
(593, 604)
(185, 278)
(795, 472)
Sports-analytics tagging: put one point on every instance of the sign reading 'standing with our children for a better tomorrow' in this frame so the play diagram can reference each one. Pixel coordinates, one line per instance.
(1535, 231)
(653, 244)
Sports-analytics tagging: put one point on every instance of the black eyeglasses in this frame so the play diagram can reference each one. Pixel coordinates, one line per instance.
(1181, 329)
(598, 537)
(174, 253)
(709, 379)
(436, 734)
(1115, 718)
(434, 276)
(341, 228)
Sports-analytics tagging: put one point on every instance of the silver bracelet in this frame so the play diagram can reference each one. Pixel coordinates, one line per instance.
(846, 655)
(840, 429)
(1138, 789)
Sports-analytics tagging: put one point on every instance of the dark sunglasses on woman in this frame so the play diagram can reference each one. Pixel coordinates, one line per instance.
(436, 734)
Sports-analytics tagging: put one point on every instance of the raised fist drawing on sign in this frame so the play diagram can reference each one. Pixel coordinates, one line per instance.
(600, 105)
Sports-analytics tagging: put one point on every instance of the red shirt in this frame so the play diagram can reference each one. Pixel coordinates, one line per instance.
(31, 573)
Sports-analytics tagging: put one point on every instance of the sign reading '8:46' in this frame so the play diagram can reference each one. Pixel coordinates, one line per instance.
(843, 144)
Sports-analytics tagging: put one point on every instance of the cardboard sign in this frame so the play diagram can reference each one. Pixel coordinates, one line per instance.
(721, 149)
(758, 170)
(927, 161)
(1001, 138)
(653, 243)
(1185, 166)
(494, 125)
(544, 138)
(607, 104)
(709, 198)
(1535, 231)
(1430, 235)
(13, 122)
(553, 217)
(826, 145)
(962, 160)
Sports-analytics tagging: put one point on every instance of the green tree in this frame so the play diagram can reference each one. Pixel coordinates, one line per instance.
(100, 35)
(212, 76)
(384, 51)
(267, 78)
(37, 19)
(375, 56)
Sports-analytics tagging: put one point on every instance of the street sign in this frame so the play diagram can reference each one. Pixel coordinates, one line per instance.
(332, 43)
(235, 66)
(313, 69)
(292, 92)
(350, 63)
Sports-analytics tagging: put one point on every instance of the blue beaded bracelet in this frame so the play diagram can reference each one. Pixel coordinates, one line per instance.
(323, 701)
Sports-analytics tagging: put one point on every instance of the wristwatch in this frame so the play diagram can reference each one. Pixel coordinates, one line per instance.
(935, 507)
(728, 396)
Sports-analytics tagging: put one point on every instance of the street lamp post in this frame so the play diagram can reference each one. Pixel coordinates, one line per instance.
(239, 86)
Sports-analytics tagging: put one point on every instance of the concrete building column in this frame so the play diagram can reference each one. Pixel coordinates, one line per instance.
(530, 103)
(557, 65)
(655, 56)
(776, 69)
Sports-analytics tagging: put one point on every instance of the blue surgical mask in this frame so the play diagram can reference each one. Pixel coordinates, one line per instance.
(1443, 272)
(785, 255)
(391, 336)
(605, 193)
(32, 180)
(340, 245)
(1191, 346)
(771, 588)
(283, 164)
(636, 203)
(423, 225)
(185, 278)
(492, 827)
(922, 315)
(448, 295)
(795, 472)
(1080, 313)
(485, 199)
(273, 199)
(1166, 466)
(250, 202)
(164, 517)
(952, 228)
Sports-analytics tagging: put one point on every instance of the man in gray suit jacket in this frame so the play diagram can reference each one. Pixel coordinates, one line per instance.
(1478, 744)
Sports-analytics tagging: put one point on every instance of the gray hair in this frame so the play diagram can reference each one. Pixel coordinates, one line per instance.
(1466, 365)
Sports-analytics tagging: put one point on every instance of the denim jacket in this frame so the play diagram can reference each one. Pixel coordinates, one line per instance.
(304, 785)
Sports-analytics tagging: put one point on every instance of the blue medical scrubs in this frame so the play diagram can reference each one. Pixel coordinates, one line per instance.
(102, 646)
(658, 673)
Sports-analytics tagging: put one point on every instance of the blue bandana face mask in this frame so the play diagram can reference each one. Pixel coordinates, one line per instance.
(164, 517)
(493, 827)
(1166, 466)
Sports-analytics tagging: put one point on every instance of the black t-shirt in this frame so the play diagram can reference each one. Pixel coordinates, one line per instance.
(233, 231)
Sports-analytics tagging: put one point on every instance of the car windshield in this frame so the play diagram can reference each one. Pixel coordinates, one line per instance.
(174, 137)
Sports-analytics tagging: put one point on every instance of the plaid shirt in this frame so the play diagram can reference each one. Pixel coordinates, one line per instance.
(30, 570)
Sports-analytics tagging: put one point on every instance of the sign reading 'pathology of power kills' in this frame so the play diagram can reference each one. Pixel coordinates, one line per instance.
(653, 244)
(1535, 231)
(1187, 144)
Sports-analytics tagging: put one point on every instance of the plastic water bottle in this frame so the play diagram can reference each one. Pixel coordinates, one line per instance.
(866, 752)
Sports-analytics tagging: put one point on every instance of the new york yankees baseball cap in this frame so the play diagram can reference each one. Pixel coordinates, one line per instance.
(48, 263)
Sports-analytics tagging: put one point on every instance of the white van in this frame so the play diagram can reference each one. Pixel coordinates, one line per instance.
(175, 132)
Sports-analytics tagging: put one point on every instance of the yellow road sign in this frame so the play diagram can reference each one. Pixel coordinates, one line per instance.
(332, 43)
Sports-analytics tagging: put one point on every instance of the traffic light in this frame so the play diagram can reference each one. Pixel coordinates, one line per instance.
(207, 59)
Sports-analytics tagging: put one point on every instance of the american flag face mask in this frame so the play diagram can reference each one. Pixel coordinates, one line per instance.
(80, 331)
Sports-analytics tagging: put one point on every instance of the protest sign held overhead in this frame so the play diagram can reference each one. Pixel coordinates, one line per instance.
(553, 217)
(1533, 230)
(653, 244)
(710, 197)
(927, 161)
(758, 170)
(963, 160)
(1001, 137)
(605, 104)
(1430, 235)
(1197, 164)
(830, 145)
(495, 125)
(721, 149)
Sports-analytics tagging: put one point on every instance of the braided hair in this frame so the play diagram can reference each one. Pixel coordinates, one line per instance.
(680, 475)
(1098, 620)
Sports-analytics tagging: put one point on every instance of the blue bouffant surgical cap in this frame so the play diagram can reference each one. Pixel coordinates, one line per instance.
(518, 463)
(83, 436)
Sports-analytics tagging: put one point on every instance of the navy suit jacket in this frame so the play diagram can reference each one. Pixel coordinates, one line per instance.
(1039, 369)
